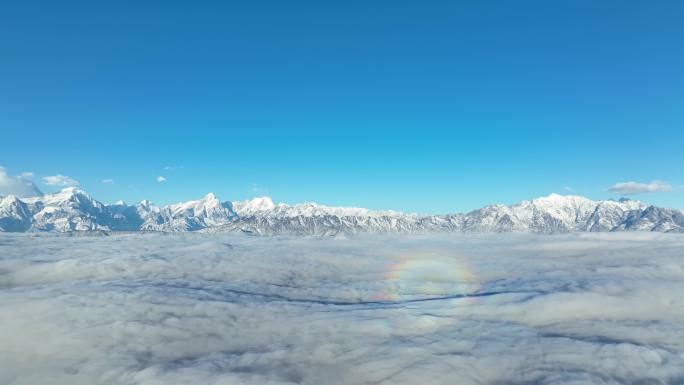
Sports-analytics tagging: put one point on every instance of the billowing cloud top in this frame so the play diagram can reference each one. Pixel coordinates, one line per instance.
(227, 309)
(20, 186)
(631, 188)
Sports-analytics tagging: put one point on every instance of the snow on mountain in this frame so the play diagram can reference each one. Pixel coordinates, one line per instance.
(653, 219)
(554, 213)
(14, 214)
(264, 207)
(73, 209)
(186, 216)
(256, 206)
(325, 224)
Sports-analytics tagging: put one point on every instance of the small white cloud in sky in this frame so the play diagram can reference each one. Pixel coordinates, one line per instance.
(161, 179)
(259, 190)
(27, 174)
(631, 188)
(19, 186)
(60, 180)
(567, 188)
(108, 181)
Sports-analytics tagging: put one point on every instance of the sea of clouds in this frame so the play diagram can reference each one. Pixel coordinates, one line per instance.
(230, 309)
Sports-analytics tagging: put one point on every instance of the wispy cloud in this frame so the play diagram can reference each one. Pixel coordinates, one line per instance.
(108, 181)
(631, 188)
(60, 180)
(161, 179)
(258, 190)
(19, 186)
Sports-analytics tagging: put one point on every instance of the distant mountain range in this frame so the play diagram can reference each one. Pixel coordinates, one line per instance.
(73, 209)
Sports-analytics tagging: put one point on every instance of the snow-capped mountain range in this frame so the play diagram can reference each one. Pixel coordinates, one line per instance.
(73, 209)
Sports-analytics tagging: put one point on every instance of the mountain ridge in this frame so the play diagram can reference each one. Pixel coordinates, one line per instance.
(73, 209)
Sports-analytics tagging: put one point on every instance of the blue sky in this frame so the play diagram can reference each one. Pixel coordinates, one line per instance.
(434, 107)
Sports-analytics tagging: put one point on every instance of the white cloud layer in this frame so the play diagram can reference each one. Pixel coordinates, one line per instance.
(631, 188)
(60, 180)
(228, 309)
(20, 186)
(161, 179)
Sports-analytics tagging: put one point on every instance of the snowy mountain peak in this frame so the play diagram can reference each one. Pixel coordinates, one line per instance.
(14, 214)
(71, 191)
(561, 200)
(72, 209)
(262, 203)
(254, 206)
(7, 199)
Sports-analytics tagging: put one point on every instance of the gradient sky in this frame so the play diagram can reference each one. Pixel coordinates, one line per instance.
(436, 107)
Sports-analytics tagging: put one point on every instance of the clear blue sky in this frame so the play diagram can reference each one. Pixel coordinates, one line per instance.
(438, 106)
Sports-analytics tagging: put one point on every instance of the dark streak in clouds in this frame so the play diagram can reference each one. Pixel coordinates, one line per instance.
(233, 295)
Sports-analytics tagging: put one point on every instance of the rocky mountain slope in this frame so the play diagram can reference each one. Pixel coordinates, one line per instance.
(73, 209)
